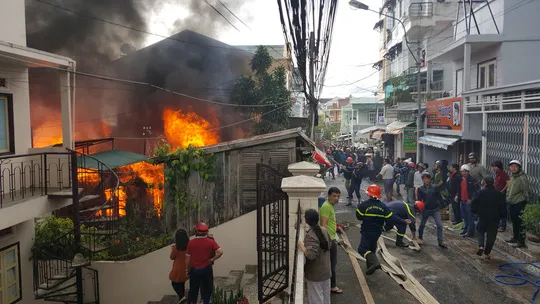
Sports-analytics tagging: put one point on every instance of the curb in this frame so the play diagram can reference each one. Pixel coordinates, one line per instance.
(519, 253)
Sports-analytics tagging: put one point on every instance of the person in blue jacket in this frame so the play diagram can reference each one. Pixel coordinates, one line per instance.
(403, 211)
(374, 214)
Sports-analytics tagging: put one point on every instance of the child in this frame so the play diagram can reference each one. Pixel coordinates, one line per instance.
(178, 275)
(374, 214)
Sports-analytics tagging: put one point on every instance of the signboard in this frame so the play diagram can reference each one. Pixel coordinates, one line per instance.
(409, 140)
(444, 114)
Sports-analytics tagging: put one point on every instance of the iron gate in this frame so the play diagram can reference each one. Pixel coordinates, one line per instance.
(516, 136)
(272, 233)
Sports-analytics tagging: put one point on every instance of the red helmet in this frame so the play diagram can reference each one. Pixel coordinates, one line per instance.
(374, 191)
(420, 205)
(201, 228)
(349, 160)
(328, 151)
(412, 165)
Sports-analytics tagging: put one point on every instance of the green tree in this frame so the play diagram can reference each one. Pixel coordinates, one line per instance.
(401, 92)
(327, 131)
(264, 87)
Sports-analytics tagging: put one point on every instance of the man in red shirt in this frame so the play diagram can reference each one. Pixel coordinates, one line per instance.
(501, 183)
(201, 253)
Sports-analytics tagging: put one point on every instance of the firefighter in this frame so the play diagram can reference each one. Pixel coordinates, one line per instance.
(373, 213)
(403, 211)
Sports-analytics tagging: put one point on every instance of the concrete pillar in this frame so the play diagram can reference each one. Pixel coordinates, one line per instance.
(467, 49)
(303, 193)
(304, 168)
(65, 100)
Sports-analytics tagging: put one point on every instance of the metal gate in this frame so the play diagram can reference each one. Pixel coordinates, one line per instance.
(516, 136)
(272, 233)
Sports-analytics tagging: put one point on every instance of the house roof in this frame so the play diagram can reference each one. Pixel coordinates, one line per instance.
(112, 158)
(259, 140)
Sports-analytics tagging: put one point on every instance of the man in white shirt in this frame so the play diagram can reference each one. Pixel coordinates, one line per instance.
(420, 168)
(387, 174)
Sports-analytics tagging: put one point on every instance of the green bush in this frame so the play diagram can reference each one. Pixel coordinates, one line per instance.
(531, 218)
(221, 296)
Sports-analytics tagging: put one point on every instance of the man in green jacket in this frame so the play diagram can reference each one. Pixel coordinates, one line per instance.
(517, 195)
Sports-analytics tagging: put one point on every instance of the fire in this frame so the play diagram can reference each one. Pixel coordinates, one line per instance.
(88, 175)
(122, 198)
(152, 175)
(183, 130)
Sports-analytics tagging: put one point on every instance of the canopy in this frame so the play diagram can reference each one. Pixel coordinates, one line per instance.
(112, 158)
(438, 141)
(369, 129)
(397, 127)
(378, 134)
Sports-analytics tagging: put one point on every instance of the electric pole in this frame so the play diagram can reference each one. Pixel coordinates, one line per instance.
(418, 117)
(311, 85)
(146, 131)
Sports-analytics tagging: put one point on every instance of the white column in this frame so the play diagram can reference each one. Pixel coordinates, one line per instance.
(303, 191)
(65, 100)
(467, 67)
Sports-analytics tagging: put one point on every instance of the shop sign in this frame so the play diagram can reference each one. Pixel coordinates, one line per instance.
(444, 114)
(409, 140)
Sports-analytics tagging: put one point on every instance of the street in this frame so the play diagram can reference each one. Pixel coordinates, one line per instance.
(449, 274)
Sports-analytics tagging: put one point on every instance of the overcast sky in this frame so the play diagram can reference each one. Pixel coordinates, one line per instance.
(354, 49)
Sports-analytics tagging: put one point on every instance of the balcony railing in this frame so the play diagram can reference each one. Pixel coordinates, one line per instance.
(515, 97)
(421, 9)
(29, 175)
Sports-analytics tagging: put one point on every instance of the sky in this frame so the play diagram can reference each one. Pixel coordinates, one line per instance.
(355, 45)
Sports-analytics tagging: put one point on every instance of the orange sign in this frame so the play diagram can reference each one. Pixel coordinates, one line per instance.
(444, 114)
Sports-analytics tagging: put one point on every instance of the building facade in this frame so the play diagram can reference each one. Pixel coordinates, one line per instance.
(34, 182)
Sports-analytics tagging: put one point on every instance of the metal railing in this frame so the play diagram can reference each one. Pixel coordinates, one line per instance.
(37, 174)
(421, 9)
(515, 97)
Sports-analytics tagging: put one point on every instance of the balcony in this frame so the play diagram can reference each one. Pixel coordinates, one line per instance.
(511, 98)
(421, 9)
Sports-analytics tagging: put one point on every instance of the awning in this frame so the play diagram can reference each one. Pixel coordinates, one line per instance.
(112, 158)
(369, 129)
(397, 127)
(438, 141)
(378, 134)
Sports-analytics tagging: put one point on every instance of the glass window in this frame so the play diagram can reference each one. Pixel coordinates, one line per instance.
(487, 74)
(10, 271)
(482, 81)
(491, 75)
(4, 124)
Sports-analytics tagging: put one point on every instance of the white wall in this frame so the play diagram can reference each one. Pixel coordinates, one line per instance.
(13, 29)
(484, 19)
(147, 278)
(482, 56)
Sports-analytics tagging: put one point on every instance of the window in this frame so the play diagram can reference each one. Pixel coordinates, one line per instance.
(6, 124)
(486, 74)
(459, 82)
(10, 274)
(372, 117)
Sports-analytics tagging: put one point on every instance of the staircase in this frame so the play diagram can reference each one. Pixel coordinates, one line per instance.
(58, 277)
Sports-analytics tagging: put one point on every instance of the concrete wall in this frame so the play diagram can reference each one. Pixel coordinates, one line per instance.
(484, 18)
(472, 126)
(147, 278)
(14, 22)
(518, 63)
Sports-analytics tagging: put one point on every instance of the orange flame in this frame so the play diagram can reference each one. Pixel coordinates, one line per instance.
(152, 175)
(183, 130)
(87, 175)
(122, 198)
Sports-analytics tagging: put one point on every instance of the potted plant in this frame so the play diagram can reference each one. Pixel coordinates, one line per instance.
(531, 221)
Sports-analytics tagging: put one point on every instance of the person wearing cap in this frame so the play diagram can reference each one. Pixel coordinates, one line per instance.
(201, 254)
(430, 195)
(374, 214)
(347, 174)
(490, 206)
(420, 168)
(467, 188)
(403, 211)
(501, 184)
(476, 170)
(401, 170)
(409, 184)
(517, 195)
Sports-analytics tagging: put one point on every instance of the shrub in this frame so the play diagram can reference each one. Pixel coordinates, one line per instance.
(221, 296)
(531, 218)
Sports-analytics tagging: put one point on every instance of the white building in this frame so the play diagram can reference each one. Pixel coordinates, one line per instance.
(34, 182)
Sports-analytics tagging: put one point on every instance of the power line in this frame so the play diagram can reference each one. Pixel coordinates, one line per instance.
(215, 9)
(223, 4)
(350, 83)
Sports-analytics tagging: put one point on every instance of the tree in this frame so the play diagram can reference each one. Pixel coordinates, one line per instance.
(401, 92)
(327, 131)
(264, 87)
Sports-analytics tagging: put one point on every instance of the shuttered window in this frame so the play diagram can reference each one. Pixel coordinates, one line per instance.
(248, 177)
(10, 274)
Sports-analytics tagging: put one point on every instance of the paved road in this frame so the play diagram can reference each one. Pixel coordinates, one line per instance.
(446, 274)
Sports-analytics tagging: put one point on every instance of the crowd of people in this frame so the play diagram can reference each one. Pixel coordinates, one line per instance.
(483, 202)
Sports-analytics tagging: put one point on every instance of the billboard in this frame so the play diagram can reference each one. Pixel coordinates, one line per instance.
(444, 114)
(409, 140)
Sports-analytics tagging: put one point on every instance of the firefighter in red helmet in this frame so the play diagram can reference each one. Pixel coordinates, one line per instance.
(374, 214)
(201, 253)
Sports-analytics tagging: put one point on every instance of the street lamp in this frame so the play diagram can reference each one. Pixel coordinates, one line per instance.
(362, 6)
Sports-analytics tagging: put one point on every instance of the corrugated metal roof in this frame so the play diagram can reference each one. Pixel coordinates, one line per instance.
(397, 127)
(369, 129)
(378, 134)
(438, 141)
(112, 158)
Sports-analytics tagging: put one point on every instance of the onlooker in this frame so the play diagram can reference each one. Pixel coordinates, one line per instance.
(517, 196)
(387, 174)
(477, 171)
(501, 183)
(201, 254)
(178, 274)
(402, 172)
(347, 174)
(409, 184)
(328, 221)
(453, 187)
(317, 268)
(430, 195)
(490, 206)
(330, 157)
(466, 190)
(420, 168)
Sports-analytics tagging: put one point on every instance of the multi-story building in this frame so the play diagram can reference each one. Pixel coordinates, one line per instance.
(362, 113)
(33, 182)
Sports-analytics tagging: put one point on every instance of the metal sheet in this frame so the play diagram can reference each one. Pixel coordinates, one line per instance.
(438, 141)
(397, 127)
(378, 134)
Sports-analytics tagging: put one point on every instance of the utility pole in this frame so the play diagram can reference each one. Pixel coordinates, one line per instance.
(418, 117)
(311, 85)
(146, 131)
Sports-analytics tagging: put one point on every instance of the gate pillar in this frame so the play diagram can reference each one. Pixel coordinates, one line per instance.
(304, 191)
